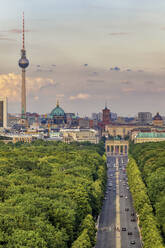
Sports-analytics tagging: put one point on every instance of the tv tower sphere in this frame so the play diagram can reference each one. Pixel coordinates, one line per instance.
(23, 62)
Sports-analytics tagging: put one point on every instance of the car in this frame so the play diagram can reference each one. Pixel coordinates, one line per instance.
(126, 209)
(124, 229)
(129, 233)
(126, 197)
(132, 214)
(133, 220)
(121, 195)
(132, 242)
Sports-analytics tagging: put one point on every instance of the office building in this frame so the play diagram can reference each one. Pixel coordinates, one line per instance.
(144, 118)
(3, 112)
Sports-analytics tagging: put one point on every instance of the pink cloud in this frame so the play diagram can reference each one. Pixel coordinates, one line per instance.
(10, 85)
(80, 96)
(128, 90)
(17, 31)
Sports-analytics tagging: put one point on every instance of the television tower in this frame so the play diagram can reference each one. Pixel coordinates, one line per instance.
(23, 63)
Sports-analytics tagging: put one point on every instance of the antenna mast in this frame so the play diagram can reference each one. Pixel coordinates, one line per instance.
(23, 33)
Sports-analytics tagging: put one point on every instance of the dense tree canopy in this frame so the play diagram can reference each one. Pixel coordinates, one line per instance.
(50, 194)
(150, 158)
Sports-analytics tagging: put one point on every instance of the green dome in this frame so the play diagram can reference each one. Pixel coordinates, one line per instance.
(57, 111)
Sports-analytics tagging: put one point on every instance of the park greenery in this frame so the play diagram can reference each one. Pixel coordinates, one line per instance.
(146, 177)
(50, 194)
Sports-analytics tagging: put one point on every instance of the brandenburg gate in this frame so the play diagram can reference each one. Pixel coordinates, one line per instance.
(116, 147)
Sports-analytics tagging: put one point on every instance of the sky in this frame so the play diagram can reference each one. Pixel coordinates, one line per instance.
(85, 53)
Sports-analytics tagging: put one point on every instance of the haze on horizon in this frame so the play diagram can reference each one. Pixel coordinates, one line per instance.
(85, 52)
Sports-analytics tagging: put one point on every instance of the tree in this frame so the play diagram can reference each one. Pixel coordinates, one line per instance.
(83, 241)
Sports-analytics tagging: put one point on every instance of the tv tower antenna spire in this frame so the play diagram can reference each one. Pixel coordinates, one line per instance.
(23, 33)
(23, 63)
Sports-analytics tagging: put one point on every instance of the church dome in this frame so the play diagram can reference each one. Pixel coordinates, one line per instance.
(57, 111)
(157, 117)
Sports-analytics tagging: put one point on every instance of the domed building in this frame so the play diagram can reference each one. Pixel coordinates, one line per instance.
(158, 120)
(58, 115)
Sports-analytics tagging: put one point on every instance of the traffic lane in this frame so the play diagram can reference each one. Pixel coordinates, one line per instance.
(133, 226)
(106, 233)
(112, 207)
(125, 204)
(106, 206)
(105, 237)
(123, 217)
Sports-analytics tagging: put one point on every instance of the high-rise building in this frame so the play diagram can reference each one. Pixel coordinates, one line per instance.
(144, 118)
(3, 112)
(97, 116)
(23, 63)
(113, 116)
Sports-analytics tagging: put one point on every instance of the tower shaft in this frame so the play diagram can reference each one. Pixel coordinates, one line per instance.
(23, 94)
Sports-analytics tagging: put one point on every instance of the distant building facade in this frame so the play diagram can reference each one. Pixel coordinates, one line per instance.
(80, 135)
(97, 116)
(84, 123)
(118, 130)
(113, 116)
(3, 112)
(144, 118)
(158, 120)
(149, 137)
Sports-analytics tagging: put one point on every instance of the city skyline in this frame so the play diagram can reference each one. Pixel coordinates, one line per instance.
(85, 53)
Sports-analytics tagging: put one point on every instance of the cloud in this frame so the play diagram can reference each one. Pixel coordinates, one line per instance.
(49, 84)
(93, 74)
(41, 68)
(95, 81)
(149, 82)
(36, 98)
(119, 33)
(116, 68)
(10, 85)
(2, 37)
(18, 31)
(128, 90)
(80, 96)
(60, 95)
(126, 82)
(157, 90)
(85, 65)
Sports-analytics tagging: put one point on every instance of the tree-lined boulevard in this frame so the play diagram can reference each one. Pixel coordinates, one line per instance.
(117, 223)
